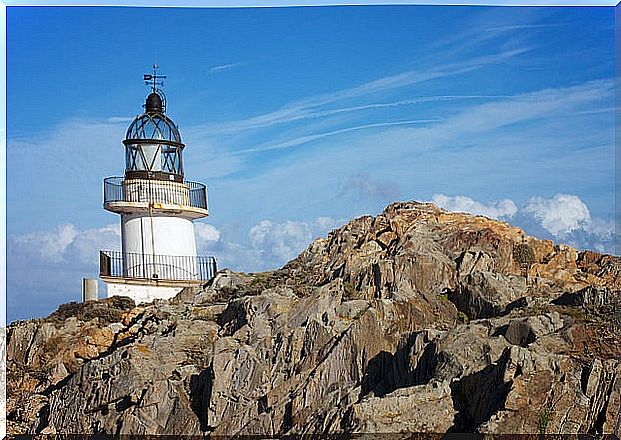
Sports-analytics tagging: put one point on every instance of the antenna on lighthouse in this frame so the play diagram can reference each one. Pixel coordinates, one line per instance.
(154, 80)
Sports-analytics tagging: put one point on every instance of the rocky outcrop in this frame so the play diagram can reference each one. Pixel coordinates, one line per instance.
(417, 320)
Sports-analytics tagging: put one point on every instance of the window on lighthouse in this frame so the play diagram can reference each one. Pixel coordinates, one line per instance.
(152, 157)
(143, 158)
(171, 159)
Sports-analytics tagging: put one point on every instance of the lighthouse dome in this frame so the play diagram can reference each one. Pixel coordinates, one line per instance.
(153, 144)
(155, 126)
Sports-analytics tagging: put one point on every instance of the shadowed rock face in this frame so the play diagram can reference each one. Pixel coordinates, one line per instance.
(415, 320)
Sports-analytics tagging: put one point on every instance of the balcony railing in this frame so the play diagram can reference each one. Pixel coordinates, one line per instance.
(156, 267)
(118, 189)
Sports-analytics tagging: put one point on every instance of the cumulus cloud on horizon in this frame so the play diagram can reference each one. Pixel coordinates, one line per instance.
(59, 257)
(284, 241)
(505, 208)
(563, 217)
(560, 214)
(67, 243)
(269, 244)
(45, 268)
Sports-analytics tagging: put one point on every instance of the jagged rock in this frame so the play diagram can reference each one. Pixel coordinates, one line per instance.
(603, 267)
(422, 408)
(366, 331)
(592, 297)
(487, 294)
(524, 331)
(187, 294)
(546, 396)
(470, 261)
(107, 310)
(591, 376)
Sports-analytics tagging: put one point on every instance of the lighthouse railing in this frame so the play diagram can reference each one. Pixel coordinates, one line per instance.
(119, 189)
(156, 267)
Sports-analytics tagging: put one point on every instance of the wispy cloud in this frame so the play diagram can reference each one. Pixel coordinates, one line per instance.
(221, 67)
(489, 117)
(242, 125)
(119, 119)
(312, 107)
(516, 27)
(474, 119)
(309, 138)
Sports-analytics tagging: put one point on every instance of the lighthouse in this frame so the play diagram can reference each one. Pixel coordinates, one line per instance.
(157, 206)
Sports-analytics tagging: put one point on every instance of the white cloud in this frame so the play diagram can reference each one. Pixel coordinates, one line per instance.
(68, 244)
(560, 214)
(270, 244)
(45, 268)
(64, 255)
(87, 243)
(280, 241)
(49, 245)
(273, 244)
(505, 208)
(264, 246)
(206, 233)
(564, 218)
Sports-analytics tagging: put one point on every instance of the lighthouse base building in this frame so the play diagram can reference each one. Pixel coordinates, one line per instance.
(157, 206)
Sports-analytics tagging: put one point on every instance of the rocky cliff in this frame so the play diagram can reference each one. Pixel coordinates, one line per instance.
(417, 320)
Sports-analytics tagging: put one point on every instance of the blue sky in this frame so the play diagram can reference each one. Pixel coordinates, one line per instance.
(299, 119)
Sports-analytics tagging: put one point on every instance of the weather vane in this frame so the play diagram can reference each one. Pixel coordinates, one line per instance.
(153, 78)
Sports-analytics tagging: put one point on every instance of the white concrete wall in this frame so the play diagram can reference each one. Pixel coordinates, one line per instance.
(142, 294)
(158, 235)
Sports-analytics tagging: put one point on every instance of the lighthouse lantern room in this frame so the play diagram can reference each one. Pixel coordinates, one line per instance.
(157, 208)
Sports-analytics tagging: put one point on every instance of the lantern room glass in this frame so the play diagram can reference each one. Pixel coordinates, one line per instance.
(153, 145)
(153, 157)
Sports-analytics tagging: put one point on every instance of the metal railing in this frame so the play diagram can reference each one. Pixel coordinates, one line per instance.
(156, 267)
(118, 189)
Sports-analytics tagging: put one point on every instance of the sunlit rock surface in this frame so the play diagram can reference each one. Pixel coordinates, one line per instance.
(417, 320)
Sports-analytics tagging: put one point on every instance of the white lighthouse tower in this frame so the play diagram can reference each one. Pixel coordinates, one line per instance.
(157, 207)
